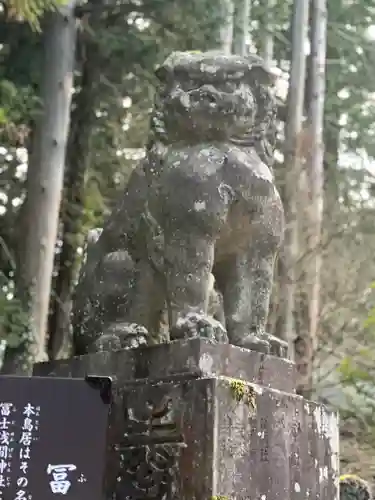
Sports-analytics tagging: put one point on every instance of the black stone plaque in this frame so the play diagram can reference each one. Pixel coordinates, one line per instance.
(53, 437)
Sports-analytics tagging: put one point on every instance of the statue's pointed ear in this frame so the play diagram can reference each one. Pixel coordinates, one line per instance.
(262, 74)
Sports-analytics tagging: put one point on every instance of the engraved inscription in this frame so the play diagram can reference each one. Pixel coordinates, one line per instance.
(149, 452)
(263, 439)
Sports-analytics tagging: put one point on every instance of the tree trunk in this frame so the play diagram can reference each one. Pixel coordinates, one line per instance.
(332, 129)
(44, 187)
(292, 158)
(267, 38)
(242, 28)
(315, 175)
(78, 151)
(226, 31)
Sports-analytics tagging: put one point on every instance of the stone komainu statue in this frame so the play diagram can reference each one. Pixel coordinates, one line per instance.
(203, 203)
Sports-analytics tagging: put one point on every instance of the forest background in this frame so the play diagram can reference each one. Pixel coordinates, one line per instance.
(53, 192)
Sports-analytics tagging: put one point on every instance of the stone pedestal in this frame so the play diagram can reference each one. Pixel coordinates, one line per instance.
(194, 421)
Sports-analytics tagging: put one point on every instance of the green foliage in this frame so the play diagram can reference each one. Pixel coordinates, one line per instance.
(351, 373)
(16, 103)
(13, 318)
(31, 11)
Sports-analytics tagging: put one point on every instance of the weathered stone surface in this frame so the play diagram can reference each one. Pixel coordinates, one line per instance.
(181, 430)
(196, 357)
(164, 443)
(219, 438)
(202, 205)
(277, 447)
(205, 438)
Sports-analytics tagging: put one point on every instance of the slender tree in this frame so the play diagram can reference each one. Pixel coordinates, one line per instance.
(73, 204)
(267, 48)
(292, 159)
(315, 176)
(45, 182)
(227, 26)
(242, 24)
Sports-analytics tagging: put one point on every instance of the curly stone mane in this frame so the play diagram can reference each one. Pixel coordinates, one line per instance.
(261, 136)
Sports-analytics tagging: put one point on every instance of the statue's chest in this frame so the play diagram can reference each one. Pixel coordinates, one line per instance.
(203, 160)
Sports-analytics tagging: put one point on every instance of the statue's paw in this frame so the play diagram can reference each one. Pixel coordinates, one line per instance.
(253, 342)
(193, 324)
(121, 336)
(264, 342)
(278, 347)
(132, 335)
(105, 343)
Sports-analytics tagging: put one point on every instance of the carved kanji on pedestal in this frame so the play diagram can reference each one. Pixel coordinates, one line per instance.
(149, 451)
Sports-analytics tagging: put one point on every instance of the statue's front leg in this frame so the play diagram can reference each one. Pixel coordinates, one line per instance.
(246, 276)
(261, 269)
(267, 235)
(188, 264)
(136, 318)
(236, 281)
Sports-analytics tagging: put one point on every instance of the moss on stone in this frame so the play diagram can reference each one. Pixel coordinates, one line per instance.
(219, 497)
(353, 487)
(243, 392)
(238, 389)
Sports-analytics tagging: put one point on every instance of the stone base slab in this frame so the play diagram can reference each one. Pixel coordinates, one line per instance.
(195, 421)
(195, 357)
